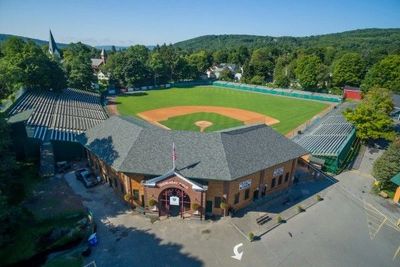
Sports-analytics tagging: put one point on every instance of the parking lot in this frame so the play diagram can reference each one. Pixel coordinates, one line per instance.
(339, 231)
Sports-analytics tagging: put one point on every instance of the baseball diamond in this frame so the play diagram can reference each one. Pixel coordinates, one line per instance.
(283, 113)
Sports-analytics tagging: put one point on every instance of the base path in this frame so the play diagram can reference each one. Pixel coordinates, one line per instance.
(247, 117)
(112, 106)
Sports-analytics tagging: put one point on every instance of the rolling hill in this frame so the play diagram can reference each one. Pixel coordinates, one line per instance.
(356, 39)
(4, 37)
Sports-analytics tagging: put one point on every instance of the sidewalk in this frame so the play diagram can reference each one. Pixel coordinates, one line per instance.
(303, 194)
(358, 184)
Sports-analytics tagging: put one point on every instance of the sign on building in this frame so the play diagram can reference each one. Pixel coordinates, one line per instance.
(245, 184)
(278, 172)
(174, 201)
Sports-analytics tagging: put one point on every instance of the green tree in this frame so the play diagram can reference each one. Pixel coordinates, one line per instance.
(226, 75)
(371, 117)
(284, 71)
(385, 73)
(201, 60)
(26, 65)
(388, 165)
(261, 63)
(158, 68)
(220, 56)
(348, 70)
(310, 72)
(78, 66)
(8, 214)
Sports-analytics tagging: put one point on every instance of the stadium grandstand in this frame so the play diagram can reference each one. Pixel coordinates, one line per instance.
(49, 122)
(60, 117)
(331, 140)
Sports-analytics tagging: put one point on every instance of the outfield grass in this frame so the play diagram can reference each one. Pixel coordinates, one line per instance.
(291, 112)
(186, 122)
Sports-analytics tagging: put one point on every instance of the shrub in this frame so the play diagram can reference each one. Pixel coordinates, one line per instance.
(300, 208)
(319, 198)
(152, 202)
(195, 206)
(279, 219)
(127, 197)
(223, 206)
(251, 236)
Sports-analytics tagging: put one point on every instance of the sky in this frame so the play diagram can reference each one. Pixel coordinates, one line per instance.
(150, 22)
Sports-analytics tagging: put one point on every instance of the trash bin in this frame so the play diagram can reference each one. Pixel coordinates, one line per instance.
(93, 240)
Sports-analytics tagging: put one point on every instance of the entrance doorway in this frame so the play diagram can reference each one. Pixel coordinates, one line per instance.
(255, 195)
(209, 206)
(173, 201)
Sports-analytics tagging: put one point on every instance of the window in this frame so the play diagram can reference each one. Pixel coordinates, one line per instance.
(246, 193)
(273, 183)
(135, 194)
(237, 197)
(286, 177)
(280, 179)
(217, 202)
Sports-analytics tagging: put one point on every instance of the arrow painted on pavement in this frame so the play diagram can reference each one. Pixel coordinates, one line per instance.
(237, 256)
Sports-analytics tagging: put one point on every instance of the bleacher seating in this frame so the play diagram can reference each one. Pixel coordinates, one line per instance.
(61, 116)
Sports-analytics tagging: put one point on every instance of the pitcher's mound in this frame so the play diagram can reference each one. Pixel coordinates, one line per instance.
(203, 125)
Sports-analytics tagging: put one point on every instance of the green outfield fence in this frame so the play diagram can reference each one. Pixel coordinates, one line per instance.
(281, 92)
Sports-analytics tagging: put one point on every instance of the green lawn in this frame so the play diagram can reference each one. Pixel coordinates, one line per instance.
(186, 122)
(291, 112)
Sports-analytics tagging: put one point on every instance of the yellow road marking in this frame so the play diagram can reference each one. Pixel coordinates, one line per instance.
(395, 254)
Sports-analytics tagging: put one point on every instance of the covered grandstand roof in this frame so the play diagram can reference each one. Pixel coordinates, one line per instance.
(134, 146)
(59, 116)
(328, 136)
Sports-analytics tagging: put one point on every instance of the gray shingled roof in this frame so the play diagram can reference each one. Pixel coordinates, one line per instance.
(133, 146)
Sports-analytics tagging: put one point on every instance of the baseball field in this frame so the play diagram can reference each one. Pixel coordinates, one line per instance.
(207, 108)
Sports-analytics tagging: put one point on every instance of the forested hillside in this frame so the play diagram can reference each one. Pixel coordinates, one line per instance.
(4, 37)
(353, 40)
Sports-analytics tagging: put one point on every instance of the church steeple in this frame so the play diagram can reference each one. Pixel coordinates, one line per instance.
(103, 55)
(53, 49)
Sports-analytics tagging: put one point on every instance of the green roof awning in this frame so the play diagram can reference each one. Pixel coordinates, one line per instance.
(396, 179)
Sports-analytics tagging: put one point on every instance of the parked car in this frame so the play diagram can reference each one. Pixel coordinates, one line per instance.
(63, 166)
(89, 179)
(78, 173)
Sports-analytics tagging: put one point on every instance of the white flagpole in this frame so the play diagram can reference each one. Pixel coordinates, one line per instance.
(173, 156)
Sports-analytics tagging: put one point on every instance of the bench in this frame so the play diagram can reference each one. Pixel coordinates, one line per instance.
(263, 219)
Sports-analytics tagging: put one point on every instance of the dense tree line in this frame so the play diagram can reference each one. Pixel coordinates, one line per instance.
(24, 64)
(315, 69)
(366, 58)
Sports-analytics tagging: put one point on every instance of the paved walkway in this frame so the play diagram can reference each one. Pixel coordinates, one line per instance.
(303, 194)
(358, 184)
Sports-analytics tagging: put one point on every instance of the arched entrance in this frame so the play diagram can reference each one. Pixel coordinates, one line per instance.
(173, 201)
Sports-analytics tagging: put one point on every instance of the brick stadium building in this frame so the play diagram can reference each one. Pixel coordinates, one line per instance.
(235, 166)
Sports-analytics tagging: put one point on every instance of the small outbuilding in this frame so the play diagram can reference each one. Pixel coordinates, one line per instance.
(396, 180)
(350, 92)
